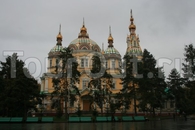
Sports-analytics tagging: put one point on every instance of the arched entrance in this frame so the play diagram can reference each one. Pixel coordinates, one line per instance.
(87, 99)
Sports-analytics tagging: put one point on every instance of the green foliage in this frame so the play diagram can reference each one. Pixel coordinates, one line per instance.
(19, 90)
(175, 83)
(59, 112)
(129, 82)
(152, 85)
(188, 91)
(64, 83)
(113, 107)
(101, 82)
(189, 65)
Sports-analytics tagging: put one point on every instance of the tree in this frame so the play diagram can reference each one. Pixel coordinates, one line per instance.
(189, 73)
(67, 76)
(174, 82)
(175, 90)
(19, 90)
(189, 65)
(100, 83)
(129, 82)
(151, 86)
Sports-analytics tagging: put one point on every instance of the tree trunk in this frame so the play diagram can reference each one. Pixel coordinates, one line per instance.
(102, 111)
(135, 109)
(66, 113)
(153, 111)
(134, 98)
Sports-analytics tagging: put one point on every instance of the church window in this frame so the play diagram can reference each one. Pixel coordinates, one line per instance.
(85, 83)
(113, 64)
(57, 62)
(119, 64)
(50, 63)
(84, 62)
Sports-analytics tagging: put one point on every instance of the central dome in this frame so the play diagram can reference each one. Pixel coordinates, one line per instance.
(84, 43)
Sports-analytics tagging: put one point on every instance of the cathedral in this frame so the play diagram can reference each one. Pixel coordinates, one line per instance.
(83, 48)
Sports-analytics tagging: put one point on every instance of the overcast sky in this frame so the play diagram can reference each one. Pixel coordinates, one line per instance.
(31, 26)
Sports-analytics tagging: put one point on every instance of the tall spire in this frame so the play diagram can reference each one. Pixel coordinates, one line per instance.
(132, 27)
(131, 13)
(83, 21)
(59, 36)
(110, 38)
(83, 31)
(110, 30)
(60, 29)
(133, 46)
(83, 27)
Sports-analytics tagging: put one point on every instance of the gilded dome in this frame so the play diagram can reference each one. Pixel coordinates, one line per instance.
(84, 28)
(132, 26)
(84, 43)
(59, 36)
(110, 38)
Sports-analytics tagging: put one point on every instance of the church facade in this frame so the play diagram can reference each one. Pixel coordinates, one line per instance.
(83, 49)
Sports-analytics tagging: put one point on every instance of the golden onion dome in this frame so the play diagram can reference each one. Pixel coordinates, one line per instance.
(132, 26)
(110, 38)
(84, 28)
(59, 36)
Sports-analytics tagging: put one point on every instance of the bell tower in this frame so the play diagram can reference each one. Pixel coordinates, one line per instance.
(133, 42)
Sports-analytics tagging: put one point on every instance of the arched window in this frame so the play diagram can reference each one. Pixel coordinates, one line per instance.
(50, 63)
(57, 62)
(112, 63)
(85, 83)
(84, 62)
